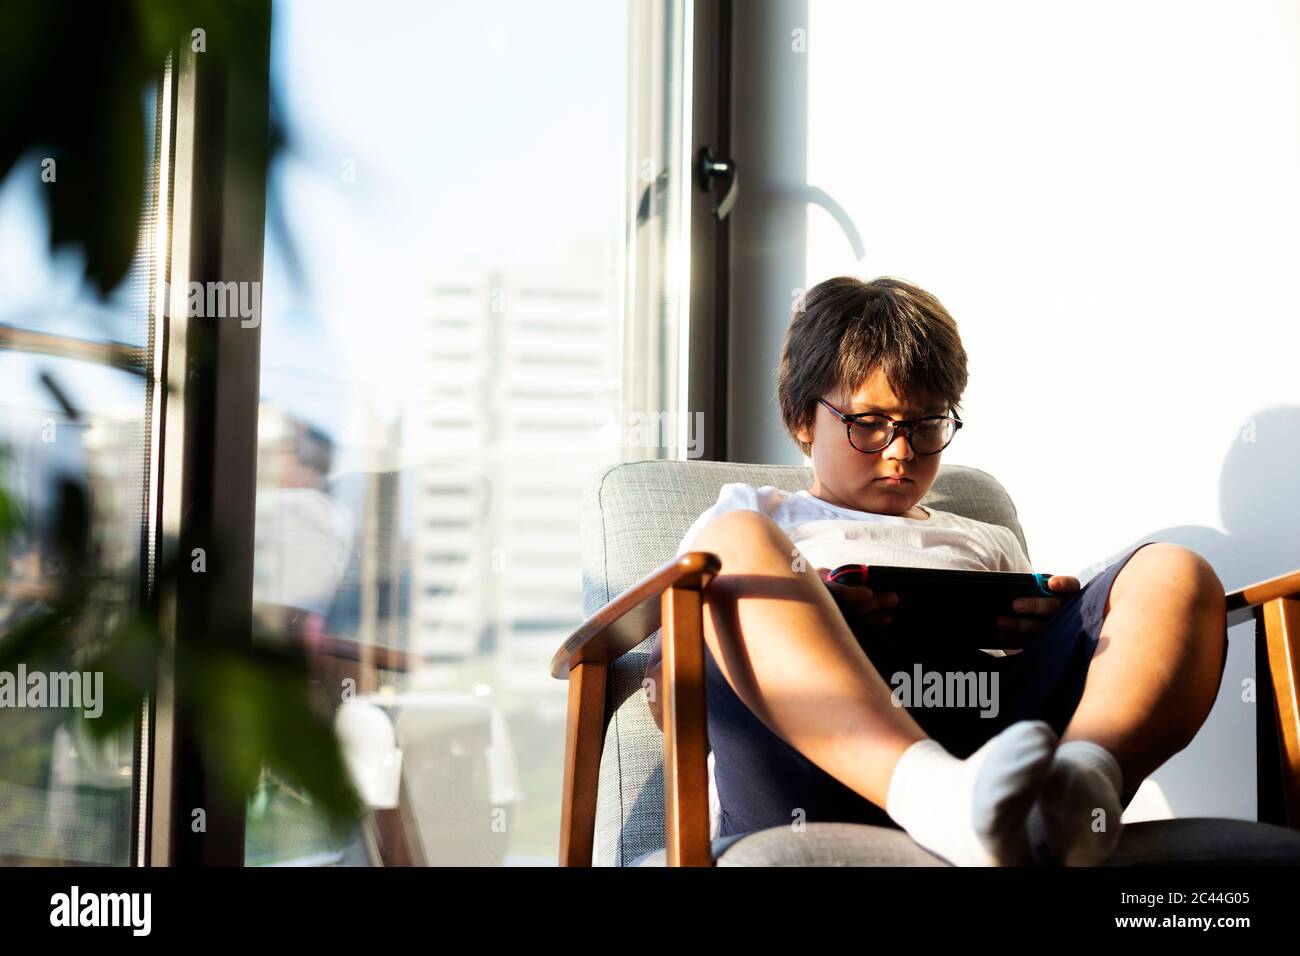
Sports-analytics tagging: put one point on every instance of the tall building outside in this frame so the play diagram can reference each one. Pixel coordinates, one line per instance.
(523, 381)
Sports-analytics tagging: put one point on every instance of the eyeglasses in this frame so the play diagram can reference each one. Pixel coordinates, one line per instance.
(869, 432)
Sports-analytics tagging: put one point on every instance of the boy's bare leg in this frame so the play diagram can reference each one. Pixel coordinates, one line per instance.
(1151, 683)
(1156, 671)
(782, 644)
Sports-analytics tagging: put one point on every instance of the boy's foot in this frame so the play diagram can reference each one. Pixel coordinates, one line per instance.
(973, 812)
(1076, 820)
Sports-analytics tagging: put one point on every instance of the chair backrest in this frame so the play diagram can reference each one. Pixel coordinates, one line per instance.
(634, 515)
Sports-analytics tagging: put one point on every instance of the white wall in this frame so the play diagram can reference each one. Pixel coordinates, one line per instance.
(1106, 196)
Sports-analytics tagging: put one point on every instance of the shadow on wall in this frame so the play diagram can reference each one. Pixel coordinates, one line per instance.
(1215, 774)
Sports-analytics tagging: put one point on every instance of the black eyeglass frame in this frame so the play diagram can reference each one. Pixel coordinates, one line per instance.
(906, 426)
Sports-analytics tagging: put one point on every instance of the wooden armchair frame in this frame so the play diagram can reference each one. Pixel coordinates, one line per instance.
(673, 596)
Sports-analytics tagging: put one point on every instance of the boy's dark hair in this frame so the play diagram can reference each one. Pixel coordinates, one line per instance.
(843, 329)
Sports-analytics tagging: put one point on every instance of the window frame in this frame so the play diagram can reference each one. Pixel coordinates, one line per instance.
(204, 428)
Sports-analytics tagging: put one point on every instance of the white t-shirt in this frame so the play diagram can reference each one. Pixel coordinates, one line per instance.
(828, 536)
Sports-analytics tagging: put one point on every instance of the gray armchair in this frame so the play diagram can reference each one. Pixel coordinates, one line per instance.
(634, 796)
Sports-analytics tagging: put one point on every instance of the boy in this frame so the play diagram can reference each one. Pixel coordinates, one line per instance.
(1114, 678)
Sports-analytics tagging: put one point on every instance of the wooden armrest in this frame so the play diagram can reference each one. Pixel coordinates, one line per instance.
(634, 615)
(1274, 605)
(671, 595)
(1284, 585)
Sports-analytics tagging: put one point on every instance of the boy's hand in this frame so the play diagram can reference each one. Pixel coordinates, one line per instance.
(1030, 614)
(859, 603)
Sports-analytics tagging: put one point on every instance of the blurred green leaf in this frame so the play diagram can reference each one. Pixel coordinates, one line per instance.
(74, 83)
(255, 708)
(129, 661)
(74, 78)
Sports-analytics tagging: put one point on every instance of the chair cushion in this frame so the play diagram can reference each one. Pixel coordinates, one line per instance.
(1184, 842)
(634, 515)
(818, 844)
(1208, 841)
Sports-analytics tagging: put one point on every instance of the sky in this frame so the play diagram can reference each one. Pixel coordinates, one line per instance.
(471, 135)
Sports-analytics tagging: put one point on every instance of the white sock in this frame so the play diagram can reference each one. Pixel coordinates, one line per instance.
(1076, 819)
(972, 812)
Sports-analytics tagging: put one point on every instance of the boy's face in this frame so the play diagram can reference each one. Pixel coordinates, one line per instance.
(844, 476)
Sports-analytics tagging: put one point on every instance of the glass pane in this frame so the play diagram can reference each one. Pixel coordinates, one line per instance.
(442, 370)
(73, 406)
(654, 417)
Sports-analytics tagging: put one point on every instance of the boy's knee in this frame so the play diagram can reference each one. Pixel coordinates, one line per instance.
(738, 534)
(1198, 573)
(1167, 568)
(1180, 566)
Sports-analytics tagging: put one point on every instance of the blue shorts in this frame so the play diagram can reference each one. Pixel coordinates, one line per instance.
(764, 782)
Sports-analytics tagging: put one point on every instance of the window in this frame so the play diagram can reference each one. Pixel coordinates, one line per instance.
(455, 335)
(75, 406)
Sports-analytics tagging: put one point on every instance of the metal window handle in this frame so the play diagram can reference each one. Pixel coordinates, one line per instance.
(709, 167)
